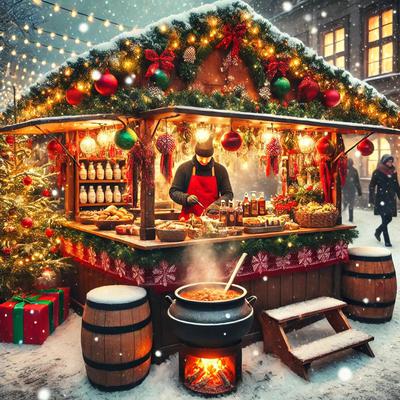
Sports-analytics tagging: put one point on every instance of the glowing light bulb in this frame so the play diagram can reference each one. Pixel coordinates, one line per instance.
(202, 134)
(96, 75)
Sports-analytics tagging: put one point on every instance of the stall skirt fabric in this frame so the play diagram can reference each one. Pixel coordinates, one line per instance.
(166, 277)
(56, 370)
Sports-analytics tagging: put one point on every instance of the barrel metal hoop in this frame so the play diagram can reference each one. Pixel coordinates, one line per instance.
(368, 305)
(117, 367)
(369, 276)
(116, 307)
(370, 258)
(115, 330)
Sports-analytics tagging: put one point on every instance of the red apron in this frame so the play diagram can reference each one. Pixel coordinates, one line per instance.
(206, 190)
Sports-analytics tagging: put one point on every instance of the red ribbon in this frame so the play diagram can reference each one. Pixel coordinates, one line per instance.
(234, 35)
(163, 61)
(326, 178)
(274, 66)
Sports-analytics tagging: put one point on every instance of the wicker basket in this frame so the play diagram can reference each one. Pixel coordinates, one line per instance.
(108, 225)
(316, 220)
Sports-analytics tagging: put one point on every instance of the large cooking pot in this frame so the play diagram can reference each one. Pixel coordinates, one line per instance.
(211, 323)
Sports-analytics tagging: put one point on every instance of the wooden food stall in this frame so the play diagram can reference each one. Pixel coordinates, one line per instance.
(277, 114)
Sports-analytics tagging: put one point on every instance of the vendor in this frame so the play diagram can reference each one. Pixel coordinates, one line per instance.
(201, 179)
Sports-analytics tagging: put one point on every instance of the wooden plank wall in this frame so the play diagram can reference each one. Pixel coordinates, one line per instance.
(271, 293)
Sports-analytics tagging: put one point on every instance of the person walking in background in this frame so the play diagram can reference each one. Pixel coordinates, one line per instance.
(350, 188)
(383, 189)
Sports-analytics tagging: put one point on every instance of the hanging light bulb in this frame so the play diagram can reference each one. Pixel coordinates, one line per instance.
(88, 145)
(267, 136)
(306, 144)
(202, 133)
(105, 138)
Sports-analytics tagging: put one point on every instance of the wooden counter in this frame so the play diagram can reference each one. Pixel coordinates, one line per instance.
(136, 243)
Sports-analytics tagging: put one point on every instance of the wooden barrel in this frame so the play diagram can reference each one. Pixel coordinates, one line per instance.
(369, 284)
(117, 337)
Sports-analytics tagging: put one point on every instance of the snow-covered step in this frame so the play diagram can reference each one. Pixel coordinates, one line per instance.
(305, 309)
(330, 345)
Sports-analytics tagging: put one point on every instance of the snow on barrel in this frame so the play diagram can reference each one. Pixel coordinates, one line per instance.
(117, 337)
(369, 284)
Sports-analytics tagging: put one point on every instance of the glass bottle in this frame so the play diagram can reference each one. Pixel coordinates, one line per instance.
(253, 205)
(261, 204)
(108, 194)
(91, 195)
(246, 205)
(239, 214)
(83, 197)
(83, 172)
(100, 194)
(108, 171)
(117, 171)
(117, 195)
(91, 174)
(223, 213)
(99, 171)
(231, 214)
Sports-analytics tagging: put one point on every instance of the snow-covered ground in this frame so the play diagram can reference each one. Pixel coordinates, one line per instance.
(55, 370)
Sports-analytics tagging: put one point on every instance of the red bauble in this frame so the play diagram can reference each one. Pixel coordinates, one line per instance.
(27, 222)
(107, 85)
(231, 141)
(54, 148)
(49, 232)
(366, 147)
(53, 249)
(325, 147)
(74, 96)
(331, 98)
(6, 251)
(307, 90)
(10, 139)
(27, 180)
(46, 192)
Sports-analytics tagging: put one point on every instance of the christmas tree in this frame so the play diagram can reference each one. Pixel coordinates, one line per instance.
(29, 219)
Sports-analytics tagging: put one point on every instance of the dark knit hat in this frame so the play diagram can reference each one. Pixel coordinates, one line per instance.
(386, 157)
(205, 149)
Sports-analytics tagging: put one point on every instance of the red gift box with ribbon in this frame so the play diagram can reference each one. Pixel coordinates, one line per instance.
(26, 320)
(62, 301)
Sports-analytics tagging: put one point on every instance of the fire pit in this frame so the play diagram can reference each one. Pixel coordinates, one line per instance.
(210, 360)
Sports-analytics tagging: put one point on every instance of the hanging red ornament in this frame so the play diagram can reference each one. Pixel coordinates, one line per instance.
(231, 141)
(107, 85)
(27, 222)
(46, 192)
(307, 90)
(6, 251)
(49, 232)
(10, 139)
(273, 150)
(366, 147)
(165, 144)
(331, 98)
(325, 147)
(233, 35)
(53, 249)
(54, 148)
(74, 96)
(27, 180)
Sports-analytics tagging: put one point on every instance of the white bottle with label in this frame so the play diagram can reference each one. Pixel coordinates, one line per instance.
(83, 197)
(91, 195)
(99, 171)
(117, 195)
(109, 171)
(117, 171)
(91, 173)
(123, 171)
(83, 172)
(108, 195)
(99, 194)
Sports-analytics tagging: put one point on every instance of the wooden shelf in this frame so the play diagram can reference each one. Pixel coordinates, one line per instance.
(102, 159)
(103, 204)
(81, 181)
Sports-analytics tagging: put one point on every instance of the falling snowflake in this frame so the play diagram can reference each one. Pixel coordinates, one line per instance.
(92, 256)
(120, 268)
(164, 274)
(259, 262)
(283, 262)
(323, 253)
(44, 394)
(341, 250)
(345, 374)
(138, 275)
(305, 256)
(105, 261)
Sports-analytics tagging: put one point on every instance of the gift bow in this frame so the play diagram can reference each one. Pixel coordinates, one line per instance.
(61, 300)
(163, 61)
(234, 35)
(274, 66)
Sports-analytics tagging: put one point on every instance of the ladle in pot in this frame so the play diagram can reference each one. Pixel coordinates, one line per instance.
(235, 271)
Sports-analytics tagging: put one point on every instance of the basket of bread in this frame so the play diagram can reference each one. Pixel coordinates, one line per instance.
(315, 215)
(172, 231)
(112, 216)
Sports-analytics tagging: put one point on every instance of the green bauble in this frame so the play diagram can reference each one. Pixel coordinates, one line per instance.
(281, 87)
(125, 138)
(161, 79)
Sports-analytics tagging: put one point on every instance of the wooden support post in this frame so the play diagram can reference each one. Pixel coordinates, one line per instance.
(71, 184)
(147, 192)
(337, 187)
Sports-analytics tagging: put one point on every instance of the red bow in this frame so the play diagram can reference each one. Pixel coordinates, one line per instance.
(163, 61)
(234, 35)
(274, 66)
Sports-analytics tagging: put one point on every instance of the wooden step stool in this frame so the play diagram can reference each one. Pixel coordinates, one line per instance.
(299, 358)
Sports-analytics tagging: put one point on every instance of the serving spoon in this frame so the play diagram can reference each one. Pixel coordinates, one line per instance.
(235, 271)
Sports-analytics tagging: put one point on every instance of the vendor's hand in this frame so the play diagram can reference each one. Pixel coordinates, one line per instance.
(192, 200)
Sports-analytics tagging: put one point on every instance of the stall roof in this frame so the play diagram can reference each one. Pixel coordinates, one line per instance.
(198, 114)
(49, 125)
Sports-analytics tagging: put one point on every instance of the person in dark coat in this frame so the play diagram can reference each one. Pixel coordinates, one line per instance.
(203, 180)
(351, 187)
(383, 189)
